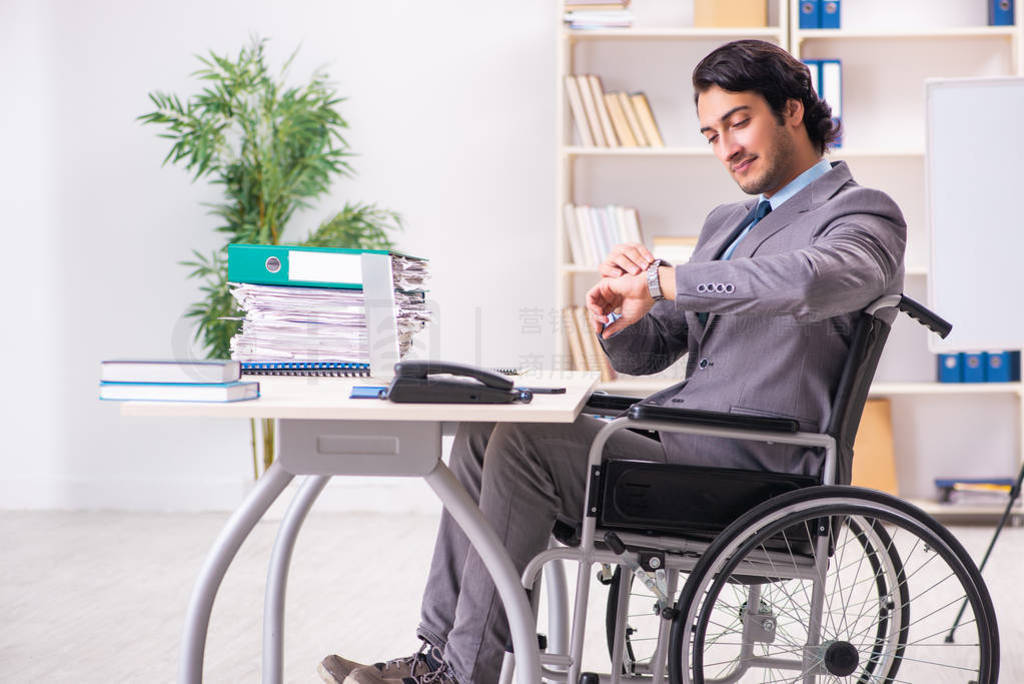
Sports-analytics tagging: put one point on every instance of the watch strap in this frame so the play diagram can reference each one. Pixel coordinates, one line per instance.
(654, 281)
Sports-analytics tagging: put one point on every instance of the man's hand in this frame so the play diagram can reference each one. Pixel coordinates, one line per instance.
(626, 295)
(629, 258)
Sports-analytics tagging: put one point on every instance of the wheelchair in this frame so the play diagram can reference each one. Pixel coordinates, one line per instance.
(787, 578)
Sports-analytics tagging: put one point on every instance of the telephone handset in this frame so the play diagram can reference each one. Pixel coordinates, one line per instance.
(438, 382)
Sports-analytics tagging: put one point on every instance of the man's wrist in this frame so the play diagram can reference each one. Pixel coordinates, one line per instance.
(667, 280)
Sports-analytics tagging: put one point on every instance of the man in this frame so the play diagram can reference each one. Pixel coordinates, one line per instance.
(764, 309)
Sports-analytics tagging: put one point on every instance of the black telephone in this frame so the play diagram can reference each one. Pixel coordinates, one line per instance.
(437, 382)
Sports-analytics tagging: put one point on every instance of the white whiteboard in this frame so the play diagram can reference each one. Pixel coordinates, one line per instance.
(975, 185)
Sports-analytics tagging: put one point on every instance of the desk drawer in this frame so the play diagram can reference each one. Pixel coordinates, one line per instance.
(339, 447)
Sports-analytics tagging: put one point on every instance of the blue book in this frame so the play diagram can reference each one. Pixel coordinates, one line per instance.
(810, 14)
(830, 14)
(1003, 367)
(1000, 12)
(218, 392)
(974, 364)
(950, 369)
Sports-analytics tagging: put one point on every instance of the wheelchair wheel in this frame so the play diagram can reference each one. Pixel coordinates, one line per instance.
(834, 584)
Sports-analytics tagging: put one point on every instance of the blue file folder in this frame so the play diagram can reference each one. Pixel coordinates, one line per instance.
(1003, 367)
(1000, 12)
(950, 369)
(829, 14)
(810, 14)
(975, 366)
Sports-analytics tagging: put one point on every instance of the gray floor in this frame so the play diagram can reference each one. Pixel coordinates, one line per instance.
(100, 597)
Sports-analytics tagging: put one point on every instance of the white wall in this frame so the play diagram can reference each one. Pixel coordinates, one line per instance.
(451, 107)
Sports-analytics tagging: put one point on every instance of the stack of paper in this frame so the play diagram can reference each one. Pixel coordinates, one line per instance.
(305, 310)
(315, 323)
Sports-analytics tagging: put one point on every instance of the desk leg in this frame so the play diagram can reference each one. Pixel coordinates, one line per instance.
(503, 573)
(277, 577)
(239, 525)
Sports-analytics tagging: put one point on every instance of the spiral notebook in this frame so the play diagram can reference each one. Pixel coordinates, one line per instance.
(327, 369)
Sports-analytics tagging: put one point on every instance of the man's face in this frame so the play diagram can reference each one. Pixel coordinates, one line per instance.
(755, 148)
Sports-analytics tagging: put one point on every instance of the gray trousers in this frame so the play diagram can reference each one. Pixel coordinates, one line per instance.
(524, 477)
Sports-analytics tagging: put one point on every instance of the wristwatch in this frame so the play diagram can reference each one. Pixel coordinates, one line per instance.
(653, 281)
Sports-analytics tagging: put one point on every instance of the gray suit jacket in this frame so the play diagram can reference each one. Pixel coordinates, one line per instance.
(781, 315)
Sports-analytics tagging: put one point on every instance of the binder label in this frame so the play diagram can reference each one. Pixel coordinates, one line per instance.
(324, 267)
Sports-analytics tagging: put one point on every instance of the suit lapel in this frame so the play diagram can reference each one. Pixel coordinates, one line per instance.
(811, 197)
(718, 242)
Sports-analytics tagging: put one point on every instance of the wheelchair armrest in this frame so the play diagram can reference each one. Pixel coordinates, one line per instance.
(712, 419)
(604, 403)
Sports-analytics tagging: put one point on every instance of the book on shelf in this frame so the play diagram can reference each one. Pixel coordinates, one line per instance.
(597, 17)
(673, 249)
(593, 355)
(596, 4)
(590, 111)
(974, 490)
(592, 232)
(619, 123)
(646, 118)
(579, 114)
(609, 119)
(602, 111)
(163, 371)
(325, 311)
(193, 392)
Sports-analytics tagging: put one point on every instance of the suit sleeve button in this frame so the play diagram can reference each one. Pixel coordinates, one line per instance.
(704, 363)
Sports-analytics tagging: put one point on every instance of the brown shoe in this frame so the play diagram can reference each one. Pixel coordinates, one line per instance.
(334, 669)
(425, 662)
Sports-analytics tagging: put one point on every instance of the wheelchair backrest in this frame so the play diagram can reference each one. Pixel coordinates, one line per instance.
(868, 341)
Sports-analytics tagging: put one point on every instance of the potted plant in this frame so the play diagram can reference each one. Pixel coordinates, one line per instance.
(273, 148)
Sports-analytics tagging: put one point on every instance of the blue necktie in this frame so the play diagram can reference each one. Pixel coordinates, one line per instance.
(756, 213)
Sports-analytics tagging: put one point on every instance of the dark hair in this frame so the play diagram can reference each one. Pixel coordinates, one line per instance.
(775, 75)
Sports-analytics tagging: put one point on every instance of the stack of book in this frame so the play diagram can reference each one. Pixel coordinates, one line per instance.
(968, 491)
(593, 231)
(598, 14)
(306, 311)
(614, 119)
(584, 346)
(205, 381)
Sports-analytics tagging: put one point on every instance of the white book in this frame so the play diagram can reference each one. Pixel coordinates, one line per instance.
(205, 392)
(576, 254)
(832, 86)
(587, 236)
(602, 111)
(633, 225)
(212, 371)
(590, 107)
(621, 224)
(597, 221)
(579, 115)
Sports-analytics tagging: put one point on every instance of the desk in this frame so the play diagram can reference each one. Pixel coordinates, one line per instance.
(323, 433)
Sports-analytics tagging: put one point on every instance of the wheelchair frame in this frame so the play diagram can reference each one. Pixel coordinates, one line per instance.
(681, 554)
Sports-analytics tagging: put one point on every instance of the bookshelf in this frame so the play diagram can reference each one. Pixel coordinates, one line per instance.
(674, 187)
